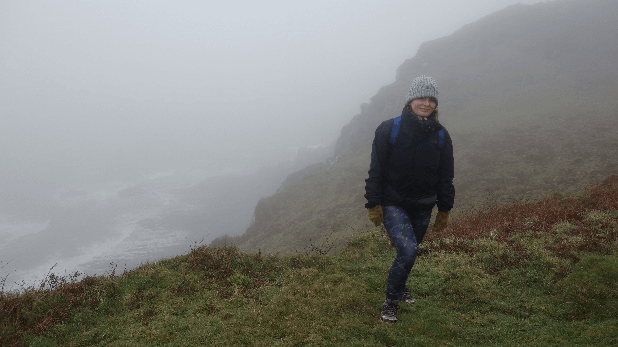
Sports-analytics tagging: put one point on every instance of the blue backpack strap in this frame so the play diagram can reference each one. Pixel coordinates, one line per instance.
(441, 138)
(395, 130)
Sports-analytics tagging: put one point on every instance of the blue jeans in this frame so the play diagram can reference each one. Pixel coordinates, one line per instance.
(406, 230)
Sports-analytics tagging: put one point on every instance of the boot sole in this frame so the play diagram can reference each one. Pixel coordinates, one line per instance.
(388, 320)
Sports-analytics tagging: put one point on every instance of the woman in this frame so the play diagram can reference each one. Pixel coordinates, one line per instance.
(411, 171)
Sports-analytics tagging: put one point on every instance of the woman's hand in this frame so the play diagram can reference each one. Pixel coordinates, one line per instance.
(375, 215)
(441, 222)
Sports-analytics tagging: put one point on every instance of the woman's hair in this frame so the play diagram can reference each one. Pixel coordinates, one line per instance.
(435, 115)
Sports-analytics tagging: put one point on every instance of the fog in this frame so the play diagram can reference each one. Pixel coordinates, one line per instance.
(115, 112)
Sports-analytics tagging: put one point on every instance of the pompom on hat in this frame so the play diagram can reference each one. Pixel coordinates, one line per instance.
(422, 87)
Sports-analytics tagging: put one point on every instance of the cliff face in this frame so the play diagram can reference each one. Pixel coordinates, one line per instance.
(544, 54)
(528, 95)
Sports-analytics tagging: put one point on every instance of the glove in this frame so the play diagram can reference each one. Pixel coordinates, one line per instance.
(441, 220)
(375, 215)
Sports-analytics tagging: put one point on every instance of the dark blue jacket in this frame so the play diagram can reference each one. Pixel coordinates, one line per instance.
(414, 173)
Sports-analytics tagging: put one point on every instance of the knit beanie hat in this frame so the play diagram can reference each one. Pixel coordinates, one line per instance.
(422, 87)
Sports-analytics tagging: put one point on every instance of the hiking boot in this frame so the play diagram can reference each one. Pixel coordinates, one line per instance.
(405, 296)
(389, 311)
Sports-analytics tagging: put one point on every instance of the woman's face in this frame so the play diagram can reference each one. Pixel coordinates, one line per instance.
(423, 107)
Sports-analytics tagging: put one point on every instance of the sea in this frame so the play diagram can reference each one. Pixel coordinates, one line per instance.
(111, 227)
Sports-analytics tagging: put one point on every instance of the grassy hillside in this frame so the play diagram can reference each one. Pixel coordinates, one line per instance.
(532, 273)
(528, 96)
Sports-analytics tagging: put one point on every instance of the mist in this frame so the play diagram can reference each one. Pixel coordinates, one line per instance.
(118, 117)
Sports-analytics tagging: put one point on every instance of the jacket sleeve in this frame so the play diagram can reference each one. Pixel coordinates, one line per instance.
(446, 173)
(379, 152)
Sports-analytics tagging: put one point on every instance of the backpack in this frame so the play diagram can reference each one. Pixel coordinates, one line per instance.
(395, 133)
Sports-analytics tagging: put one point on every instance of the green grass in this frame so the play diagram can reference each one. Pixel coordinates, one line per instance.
(534, 274)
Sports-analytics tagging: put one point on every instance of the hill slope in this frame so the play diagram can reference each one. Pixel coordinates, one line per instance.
(534, 274)
(528, 95)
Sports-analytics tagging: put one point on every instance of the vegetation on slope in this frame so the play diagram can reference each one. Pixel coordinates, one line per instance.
(532, 273)
(322, 202)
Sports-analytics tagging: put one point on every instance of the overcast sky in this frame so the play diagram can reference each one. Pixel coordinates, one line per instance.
(121, 87)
